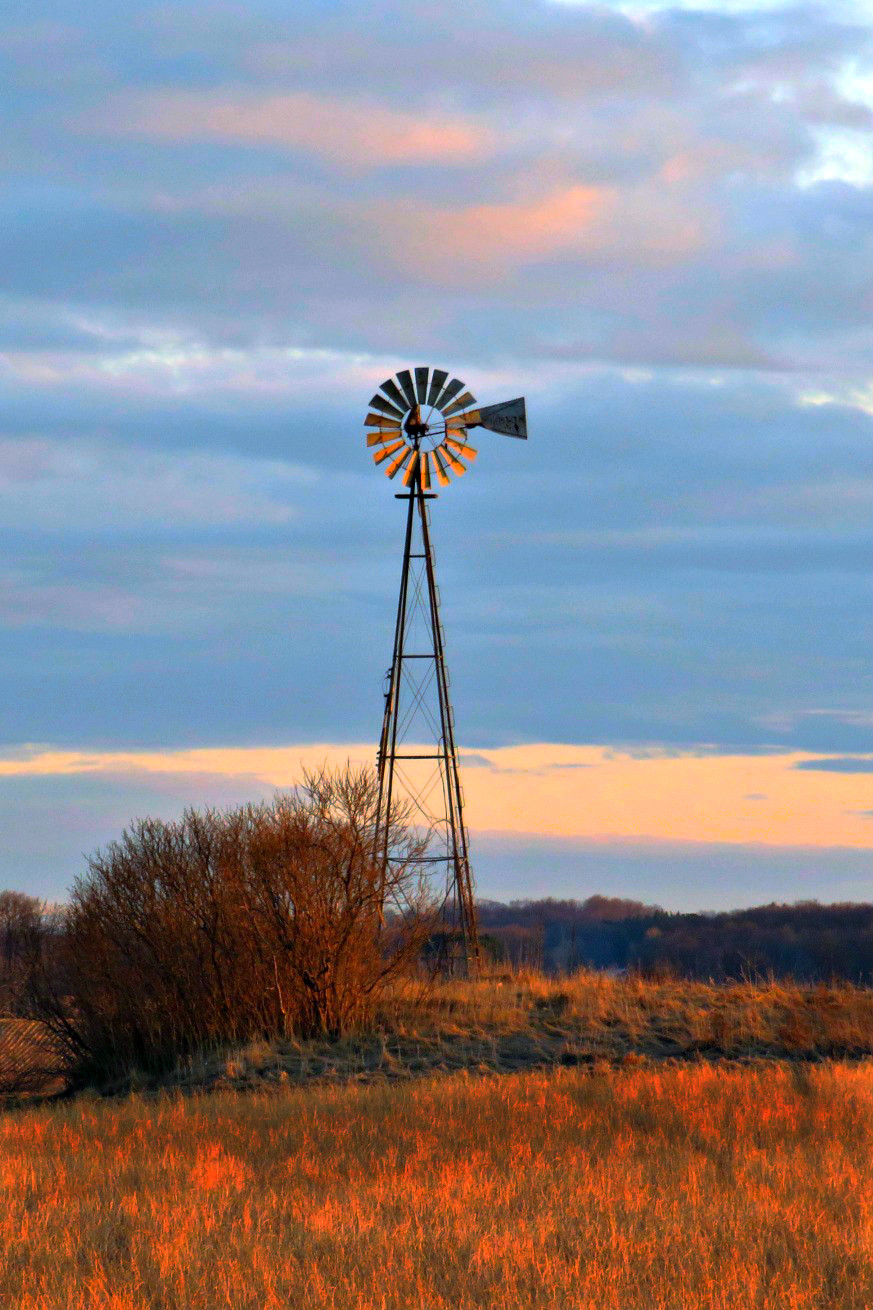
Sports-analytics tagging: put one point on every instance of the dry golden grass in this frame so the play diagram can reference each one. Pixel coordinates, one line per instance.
(520, 1022)
(505, 1025)
(528, 1021)
(641, 1188)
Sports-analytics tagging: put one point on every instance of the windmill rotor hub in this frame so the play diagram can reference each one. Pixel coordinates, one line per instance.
(415, 426)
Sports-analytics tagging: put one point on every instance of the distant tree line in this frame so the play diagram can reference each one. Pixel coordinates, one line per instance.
(806, 940)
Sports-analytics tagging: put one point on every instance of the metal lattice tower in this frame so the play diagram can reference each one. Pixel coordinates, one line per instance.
(419, 427)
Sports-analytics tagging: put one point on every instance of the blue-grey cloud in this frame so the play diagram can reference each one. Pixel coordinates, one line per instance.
(51, 824)
(660, 231)
(838, 764)
(699, 121)
(683, 584)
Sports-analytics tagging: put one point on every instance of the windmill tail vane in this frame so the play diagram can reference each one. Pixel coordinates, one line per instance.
(418, 425)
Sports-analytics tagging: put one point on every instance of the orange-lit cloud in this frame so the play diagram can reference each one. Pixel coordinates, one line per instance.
(556, 222)
(453, 239)
(588, 792)
(353, 133)
(637, 226)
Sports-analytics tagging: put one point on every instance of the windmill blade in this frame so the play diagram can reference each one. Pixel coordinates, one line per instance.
(423, 402)
(405, 380)
(448, 393)
(461, 403)
(412, 470)
(380, 403)
(392, 390)
(471, 419)
(380, 421)
(440, 469)
(387, 451)
(397, 464)
(437, 382)
(461, 448)
(453, 462)
(508, 418)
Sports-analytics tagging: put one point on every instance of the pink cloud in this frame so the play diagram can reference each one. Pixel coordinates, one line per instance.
(353, 133)
(635, 226)
(486, 237)
(559, 221)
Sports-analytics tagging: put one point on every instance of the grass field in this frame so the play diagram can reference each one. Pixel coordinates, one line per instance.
(646, 1186)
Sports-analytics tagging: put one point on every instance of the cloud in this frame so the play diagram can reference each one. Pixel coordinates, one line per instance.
(511, 54)
(89, 810)
(696, 565)
(550, 788)
(593, 222)
(691, 876)
(55, 486)
(839, 764)
(659, 152)
(556, 222)
(355, 134)
(43, 857)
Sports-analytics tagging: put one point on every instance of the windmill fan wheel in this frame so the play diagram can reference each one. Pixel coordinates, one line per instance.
(418, 424)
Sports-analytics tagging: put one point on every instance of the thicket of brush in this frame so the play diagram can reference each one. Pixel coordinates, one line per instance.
(258, 922)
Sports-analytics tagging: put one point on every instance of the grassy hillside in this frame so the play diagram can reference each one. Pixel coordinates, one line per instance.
(519, 1022)
(529, 1021)
(644, 1188)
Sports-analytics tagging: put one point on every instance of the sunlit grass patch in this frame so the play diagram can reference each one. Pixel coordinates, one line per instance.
(671, 1186)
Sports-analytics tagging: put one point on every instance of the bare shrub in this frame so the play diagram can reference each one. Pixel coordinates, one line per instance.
(260, 921)
(317, 899)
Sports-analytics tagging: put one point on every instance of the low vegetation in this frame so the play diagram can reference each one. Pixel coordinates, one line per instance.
(273, 928)
(532, 1022)
(265, 920)
(503, 1024)
(642, 1188)
(588, 1140)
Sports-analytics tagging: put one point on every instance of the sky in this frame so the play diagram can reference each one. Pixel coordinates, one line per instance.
(222, 225)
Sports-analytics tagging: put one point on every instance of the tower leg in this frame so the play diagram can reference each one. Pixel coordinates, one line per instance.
(418, 726)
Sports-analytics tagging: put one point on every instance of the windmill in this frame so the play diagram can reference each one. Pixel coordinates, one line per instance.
(418, 426)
